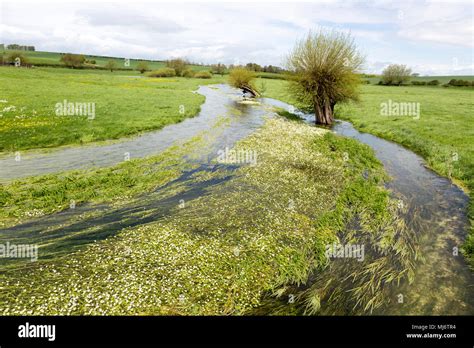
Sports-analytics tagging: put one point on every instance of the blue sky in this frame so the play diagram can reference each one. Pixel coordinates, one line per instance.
(432, 37)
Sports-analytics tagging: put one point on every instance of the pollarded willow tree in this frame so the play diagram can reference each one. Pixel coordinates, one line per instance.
(244, 79)
(324, 71)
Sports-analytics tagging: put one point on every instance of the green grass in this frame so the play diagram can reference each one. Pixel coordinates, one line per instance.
(445, 130)
(124, 106)
(267, 75)
(257, 234)
(442, 79)
(53, 59)
(42, 195)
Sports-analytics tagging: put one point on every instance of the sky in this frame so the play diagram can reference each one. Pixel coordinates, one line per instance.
(431, 37)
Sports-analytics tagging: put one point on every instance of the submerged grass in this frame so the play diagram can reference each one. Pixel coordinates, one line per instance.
(443, 135)
(262, 231)
(41, 195)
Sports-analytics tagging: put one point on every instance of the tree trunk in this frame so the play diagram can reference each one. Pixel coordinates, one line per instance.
(250, 90)
(324, 113)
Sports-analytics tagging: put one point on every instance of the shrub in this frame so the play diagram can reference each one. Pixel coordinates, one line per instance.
(433, 83)
(12, 57)
(73, 60)
(218, 68)
(244, 79)
(418, 83)
(396, 74)
(240, 77)
(188, 73)
(111, 65)
(459, 83)
(203, 75)
(179, 65)
(163, 72)
(142, 67)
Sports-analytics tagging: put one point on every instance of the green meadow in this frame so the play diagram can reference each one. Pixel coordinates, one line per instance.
(442, 79)
(41, 58)
(125, 104)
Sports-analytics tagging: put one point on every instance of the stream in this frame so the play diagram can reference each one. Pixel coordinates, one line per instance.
(443, 283)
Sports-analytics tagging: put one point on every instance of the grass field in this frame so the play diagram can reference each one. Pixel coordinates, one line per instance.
(53, 59)
(441, 79)
(124, 105)
(443, 134)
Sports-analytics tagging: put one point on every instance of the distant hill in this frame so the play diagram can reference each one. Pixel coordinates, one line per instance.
(42, 58)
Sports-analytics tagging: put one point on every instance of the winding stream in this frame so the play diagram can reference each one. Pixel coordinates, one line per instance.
(443, 283)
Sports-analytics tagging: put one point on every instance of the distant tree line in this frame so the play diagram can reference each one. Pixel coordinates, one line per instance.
(177, 67)
(18, 47)
(459, 83)
(425, 83)
(258, 68)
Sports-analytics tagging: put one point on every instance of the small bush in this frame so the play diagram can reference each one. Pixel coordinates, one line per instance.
(241, 77)
(396, 74)
(163, 72)
(188, 73)
(203, 75)
(418, 83)
(179, 65)
(111, 65)
(433, 83)
(73, 60)
(459, 83)
(142, 67)
(218, 69)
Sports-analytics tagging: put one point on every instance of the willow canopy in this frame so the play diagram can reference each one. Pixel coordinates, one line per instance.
(324, 71)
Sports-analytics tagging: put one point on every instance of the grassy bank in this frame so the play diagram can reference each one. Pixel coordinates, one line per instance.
(123, 106)
(443, 135)
(257, 235)
(41, 195)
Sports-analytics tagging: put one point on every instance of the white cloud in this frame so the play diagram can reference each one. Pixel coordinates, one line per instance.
(238, 32)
